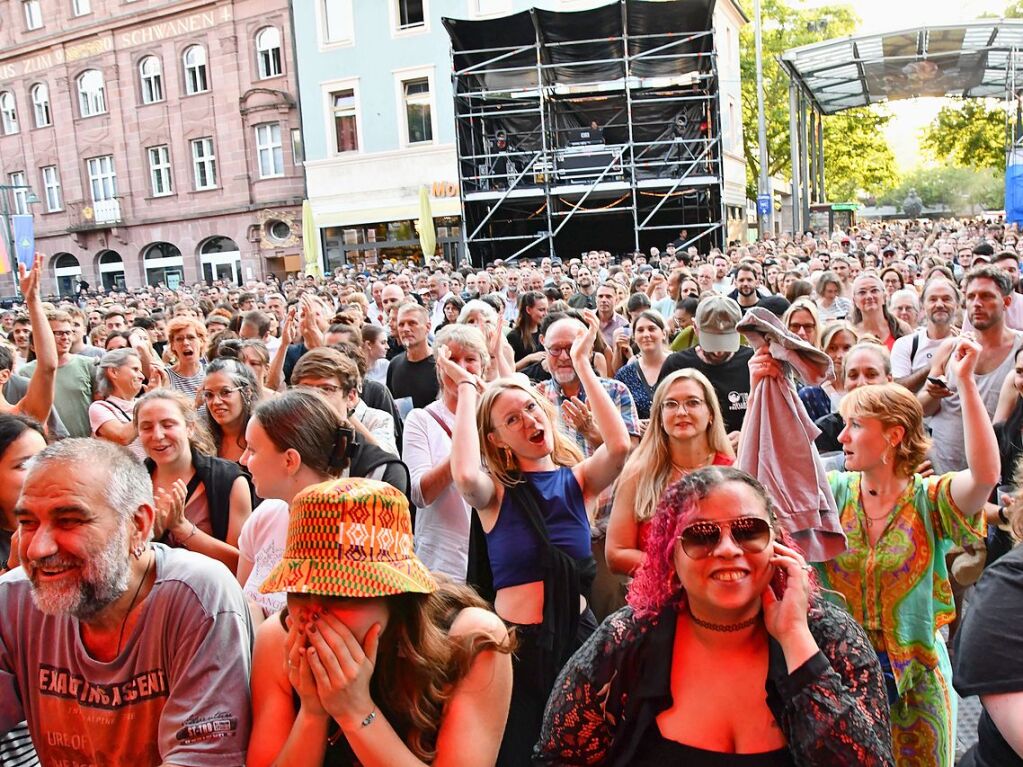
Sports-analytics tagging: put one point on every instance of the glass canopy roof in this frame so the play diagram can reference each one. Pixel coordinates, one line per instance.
(971, 60)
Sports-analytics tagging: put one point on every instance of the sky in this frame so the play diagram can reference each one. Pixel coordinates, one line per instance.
(910, 116)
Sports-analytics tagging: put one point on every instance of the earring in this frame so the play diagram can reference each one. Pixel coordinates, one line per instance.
(139, 550)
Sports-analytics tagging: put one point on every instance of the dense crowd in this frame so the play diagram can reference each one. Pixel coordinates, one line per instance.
(751, 506)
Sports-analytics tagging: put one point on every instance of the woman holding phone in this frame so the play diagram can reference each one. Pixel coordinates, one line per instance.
(720, 605)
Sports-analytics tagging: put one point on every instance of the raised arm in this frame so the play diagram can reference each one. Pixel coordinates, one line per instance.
(603, 467)
(475, 485)
(972, 487)
(38, 399)
(275, 373)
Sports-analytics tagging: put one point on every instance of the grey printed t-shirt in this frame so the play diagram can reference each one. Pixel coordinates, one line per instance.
(178, 692)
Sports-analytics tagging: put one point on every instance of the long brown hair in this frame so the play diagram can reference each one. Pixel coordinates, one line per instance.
(419, 665)
(199, 437)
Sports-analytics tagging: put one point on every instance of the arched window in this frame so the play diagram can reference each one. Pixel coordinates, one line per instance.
(196, 78)
(151, 76)
(92, 93)
(41, 104)
(268, 52)
(8, 114)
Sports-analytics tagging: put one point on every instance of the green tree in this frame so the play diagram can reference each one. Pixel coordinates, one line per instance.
(856, 154)
(964, 191)
(969, 133)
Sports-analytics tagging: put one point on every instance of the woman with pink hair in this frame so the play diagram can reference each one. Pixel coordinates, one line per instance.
(726, 653)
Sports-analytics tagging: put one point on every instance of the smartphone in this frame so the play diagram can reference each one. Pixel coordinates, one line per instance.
(627, 331)
(937, 382)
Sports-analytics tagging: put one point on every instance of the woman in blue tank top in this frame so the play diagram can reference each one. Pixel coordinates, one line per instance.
(531, 489)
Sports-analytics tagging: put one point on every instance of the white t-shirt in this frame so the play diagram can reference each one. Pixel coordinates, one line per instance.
(902, 349)
(442, 527)
(262, 542)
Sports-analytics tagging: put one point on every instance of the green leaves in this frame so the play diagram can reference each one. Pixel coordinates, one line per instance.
(857, 158)
(969, 134)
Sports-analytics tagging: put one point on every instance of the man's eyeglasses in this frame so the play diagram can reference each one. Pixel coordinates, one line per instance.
(222, 395)
(557, 351)
(701, 539)
(325, 388)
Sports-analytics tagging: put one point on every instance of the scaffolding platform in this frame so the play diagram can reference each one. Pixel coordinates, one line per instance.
(588, 129)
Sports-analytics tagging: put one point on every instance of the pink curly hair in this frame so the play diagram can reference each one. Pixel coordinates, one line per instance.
(655, 586)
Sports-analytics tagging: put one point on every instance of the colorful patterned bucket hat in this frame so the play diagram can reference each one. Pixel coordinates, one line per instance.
(349, 538)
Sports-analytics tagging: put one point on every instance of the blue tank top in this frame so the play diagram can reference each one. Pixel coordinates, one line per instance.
(516, 549)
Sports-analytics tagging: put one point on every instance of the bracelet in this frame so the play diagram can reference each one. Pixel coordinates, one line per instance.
(471, 383)
(369, 719)
(188, 537)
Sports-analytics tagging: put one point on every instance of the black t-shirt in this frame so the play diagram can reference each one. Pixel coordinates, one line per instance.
(417, 380)
(989, 653)
(730, 381)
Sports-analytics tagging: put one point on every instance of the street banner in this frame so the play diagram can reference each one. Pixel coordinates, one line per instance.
(24, 240)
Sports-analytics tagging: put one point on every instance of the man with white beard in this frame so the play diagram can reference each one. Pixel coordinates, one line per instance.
(118, 651)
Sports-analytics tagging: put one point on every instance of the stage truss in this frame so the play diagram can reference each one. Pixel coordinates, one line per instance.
(656, 172)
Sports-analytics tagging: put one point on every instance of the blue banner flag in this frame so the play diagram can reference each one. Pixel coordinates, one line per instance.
(24, 240)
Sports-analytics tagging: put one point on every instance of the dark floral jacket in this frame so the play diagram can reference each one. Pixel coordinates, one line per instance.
(833, 710)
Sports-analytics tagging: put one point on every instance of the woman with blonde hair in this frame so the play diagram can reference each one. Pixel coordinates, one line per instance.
(892, 576)
(686, 432)
(532, 495)
(482, 315)
(870, 315)
(803, 320)
(837, 339)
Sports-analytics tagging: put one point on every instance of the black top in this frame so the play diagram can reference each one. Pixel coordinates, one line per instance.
(730, 380)
(657, 751)
(417, 380)
(832, 710)
(516, 343)
(988, 656)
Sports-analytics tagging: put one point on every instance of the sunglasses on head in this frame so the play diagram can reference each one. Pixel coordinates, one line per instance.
(700, 539)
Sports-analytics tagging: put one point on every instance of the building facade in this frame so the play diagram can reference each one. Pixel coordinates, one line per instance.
(162, 138)
(378, 118)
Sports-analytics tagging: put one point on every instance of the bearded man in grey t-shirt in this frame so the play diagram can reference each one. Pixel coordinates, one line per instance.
(116, 650)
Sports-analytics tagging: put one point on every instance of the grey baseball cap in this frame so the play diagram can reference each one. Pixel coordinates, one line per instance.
(716, 318)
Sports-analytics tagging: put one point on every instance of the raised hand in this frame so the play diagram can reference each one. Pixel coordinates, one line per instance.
(964, 357)
(582, 347)
(28, 280)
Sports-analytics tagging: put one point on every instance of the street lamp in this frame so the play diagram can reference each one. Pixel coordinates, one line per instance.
(5, 212)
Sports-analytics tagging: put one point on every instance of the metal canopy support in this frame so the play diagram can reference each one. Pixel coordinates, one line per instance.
(823, 195)
(812, 134)
(804, 173)
(797, 205)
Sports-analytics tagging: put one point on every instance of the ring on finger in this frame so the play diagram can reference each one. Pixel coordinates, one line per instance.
(807, 568)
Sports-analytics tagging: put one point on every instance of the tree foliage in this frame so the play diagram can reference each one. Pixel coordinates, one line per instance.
(969, 133)
(856, 154)
(964, 191)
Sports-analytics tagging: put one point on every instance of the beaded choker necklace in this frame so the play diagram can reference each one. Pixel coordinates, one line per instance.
(727, 627)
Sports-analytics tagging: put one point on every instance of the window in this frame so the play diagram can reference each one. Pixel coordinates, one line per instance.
(204, 163)
(8, 114)
(80, 7)
(151, 74)
(160, 170)
(20, 196)
(492, 7)
(346, 129)
(102, 179)
(410, 13)
(196, 79)
(92, 93)
(337, 21)
(41, 104)
(268, 52)
(297, 150)
(418, 117)
(269, 150)
(33, 14)
(51, 187)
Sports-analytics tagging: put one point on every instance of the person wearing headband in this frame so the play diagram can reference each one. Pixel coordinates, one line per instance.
(726, 653)
(374, 662)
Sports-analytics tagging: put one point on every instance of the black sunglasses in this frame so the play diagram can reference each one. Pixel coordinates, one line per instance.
(700, 539)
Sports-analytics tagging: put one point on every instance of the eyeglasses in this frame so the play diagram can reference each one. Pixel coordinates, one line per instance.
(325, 388)
(700, 540)
(516, 421)
(868, 292)
(557, 351)
(222, 395)
(687, 405)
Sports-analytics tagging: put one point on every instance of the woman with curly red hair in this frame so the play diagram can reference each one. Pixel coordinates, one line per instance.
(725, 655)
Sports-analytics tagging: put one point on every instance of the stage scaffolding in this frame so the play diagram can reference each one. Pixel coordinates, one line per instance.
(536, 180)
